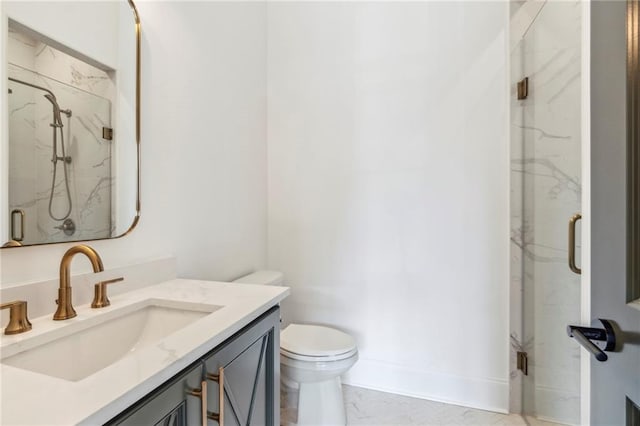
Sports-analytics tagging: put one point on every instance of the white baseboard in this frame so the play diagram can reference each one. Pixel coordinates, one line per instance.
(484, 394)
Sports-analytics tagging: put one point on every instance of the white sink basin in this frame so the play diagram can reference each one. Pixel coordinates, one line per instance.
(90, 345)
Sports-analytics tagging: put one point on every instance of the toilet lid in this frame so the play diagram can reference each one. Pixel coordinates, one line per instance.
(315, 341)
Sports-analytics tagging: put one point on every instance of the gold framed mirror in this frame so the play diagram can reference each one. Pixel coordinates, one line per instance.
(71, 169)
(633, 150)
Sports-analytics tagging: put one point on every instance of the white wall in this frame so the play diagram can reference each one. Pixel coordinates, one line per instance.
(388, 187)
(202, 111)
(221, 140)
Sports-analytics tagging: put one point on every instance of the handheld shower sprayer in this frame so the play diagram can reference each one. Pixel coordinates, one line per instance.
(57, 112)
(57, 125)
(57, 119)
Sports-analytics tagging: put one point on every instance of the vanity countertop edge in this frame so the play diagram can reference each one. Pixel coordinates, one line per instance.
(35, 399)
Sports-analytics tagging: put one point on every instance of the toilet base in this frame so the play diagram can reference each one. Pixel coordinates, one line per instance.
(321, 404)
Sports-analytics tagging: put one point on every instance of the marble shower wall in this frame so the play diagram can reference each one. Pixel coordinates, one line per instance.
(87, 92)
(545, 193)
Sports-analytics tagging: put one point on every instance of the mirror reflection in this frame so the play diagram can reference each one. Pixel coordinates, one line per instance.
(71, 144)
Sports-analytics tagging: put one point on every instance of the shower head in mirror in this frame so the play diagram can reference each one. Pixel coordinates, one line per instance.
(56, 109)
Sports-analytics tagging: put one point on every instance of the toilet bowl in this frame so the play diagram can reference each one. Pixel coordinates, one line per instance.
(312, 359)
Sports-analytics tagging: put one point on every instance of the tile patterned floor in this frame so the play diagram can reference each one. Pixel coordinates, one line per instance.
(372, 408)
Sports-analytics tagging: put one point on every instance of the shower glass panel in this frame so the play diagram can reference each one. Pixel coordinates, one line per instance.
(546, 193)
(87, 160)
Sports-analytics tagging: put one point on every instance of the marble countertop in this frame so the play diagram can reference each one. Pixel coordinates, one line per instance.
(30, 398)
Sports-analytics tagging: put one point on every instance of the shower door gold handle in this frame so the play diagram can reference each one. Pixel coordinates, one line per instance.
(14, 214)
(572, 243)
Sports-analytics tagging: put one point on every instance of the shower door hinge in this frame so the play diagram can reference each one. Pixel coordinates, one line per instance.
(523, 88)
(522, 362)
(107, 133)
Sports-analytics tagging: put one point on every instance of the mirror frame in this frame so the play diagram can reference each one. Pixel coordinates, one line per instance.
(136, 219)
(633, 150)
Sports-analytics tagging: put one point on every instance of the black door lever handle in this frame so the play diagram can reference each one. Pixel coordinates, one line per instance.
(588, 344)
(595, 340)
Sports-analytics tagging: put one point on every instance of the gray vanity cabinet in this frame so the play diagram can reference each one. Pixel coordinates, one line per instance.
(246, 366)
(169, 405)
(251, 391)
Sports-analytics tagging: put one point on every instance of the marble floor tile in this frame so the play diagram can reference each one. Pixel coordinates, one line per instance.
(373, 408)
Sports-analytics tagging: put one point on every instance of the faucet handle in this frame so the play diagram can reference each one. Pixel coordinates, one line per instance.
(18, 321)
(100, 299)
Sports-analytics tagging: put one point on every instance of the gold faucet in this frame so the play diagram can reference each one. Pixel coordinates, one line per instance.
(65, 307)
(18, 321)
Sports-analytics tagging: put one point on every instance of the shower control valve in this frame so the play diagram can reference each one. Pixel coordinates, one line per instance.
(68, 227)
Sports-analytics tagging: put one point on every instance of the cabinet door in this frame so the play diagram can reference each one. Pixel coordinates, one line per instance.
(250, 367)
(169, 405)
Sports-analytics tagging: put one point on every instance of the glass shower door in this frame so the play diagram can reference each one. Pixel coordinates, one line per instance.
(36, 187)
(546, 193)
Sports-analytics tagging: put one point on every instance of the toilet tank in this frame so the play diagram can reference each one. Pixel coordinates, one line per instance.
(262, 277)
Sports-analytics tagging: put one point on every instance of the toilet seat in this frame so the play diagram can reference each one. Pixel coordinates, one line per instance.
(311, 358)
(316, 343)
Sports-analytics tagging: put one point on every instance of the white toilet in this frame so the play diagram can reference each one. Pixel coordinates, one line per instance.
(312, 358)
